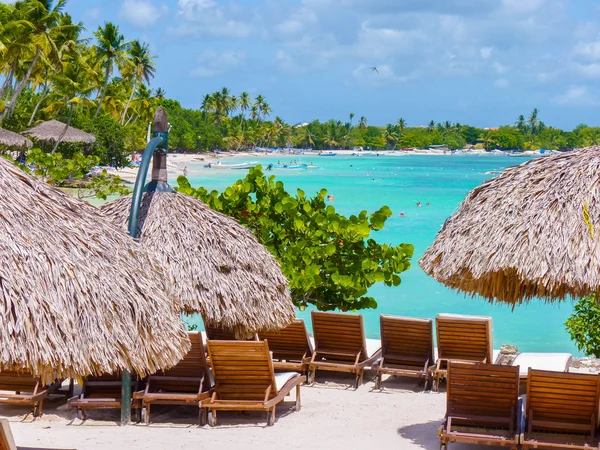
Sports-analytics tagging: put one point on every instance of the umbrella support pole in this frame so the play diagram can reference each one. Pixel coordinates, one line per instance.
(157, 147)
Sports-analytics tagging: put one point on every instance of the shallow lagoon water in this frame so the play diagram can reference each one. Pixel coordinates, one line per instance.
(369, 182)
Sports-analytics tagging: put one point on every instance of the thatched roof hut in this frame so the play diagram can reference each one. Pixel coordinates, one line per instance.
(51, 130)
(13, 140)
(534, 231)
(216, 266)
(78, 296)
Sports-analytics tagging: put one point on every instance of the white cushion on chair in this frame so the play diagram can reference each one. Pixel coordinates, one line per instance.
(283, 377)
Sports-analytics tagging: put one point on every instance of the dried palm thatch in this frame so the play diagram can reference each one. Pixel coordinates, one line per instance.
(216, 266)
(14, 140)
(52, 129)
(77, 296)
(534, 231)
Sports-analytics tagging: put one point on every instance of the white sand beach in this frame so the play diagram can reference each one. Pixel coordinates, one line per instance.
(333, 416)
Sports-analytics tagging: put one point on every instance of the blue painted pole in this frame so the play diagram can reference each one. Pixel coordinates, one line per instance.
(156, 148)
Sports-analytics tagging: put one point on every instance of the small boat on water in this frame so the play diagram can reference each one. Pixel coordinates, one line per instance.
(327, 154)
(246, 165)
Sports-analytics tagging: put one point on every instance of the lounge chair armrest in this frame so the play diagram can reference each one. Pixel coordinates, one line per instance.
(371, 359)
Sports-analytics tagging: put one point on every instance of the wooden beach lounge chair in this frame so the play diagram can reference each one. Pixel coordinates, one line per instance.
(22, 388)
(187, 383)
(340, 345)
(482, 405)
(462, 338)
(245, 380)
(407, 348)
(100, 392)
(561, 410)
(291, 347)
(554, 362)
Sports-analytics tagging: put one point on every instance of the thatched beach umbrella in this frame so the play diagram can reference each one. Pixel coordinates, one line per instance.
(215, 265)
(77, 296)
(534, 231)
(13, 140)
(51, 131)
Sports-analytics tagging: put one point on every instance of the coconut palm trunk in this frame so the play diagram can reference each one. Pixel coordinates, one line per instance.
(8, 81)
(17, 92)
(104, 86)
(64, 131)
(37, 106)
(133, 89)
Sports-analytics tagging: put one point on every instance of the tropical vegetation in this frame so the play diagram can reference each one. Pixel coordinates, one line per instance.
(329, 259)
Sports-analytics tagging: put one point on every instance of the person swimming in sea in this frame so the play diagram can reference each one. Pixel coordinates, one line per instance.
(402, 214)
(427, 204)
(330, 198)
(418, 204)
(185, 171)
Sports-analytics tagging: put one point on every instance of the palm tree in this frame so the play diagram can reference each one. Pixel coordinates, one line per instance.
(142, 69)
(362, 123)
(401, 123)
(41, 21)
(520, 123)
(533, 121)
(160, 93)
(72, 87)
(431, 126)
(351, 116)
(111, 50)
(391, 135)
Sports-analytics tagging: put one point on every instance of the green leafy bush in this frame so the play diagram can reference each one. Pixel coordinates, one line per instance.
(584, 325)
(330, 260)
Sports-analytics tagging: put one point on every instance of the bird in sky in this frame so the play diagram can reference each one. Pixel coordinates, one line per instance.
(374, 69)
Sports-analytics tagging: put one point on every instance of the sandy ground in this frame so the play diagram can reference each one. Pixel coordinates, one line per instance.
(333, 416)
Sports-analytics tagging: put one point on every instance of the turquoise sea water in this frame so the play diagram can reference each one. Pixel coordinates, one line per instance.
(400, 182)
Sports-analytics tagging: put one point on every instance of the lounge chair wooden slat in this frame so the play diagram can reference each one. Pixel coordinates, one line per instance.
(186, 383)
(340, 345)
(461, 338)
(561, 410)
(407, 348)
(245, 380)
(291, 347)
(481, 405)
(24, 389)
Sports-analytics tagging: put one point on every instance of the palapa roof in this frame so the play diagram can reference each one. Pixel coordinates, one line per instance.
(52, 129)
(12, 139)
(216, 266)
(78, 296)
(534, 231)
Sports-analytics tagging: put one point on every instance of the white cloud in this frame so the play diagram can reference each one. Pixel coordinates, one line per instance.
(142, 13)
(522, 6)
(588, 50)
(499, 68)
(588, 70)
(485, 52)
(576, 96)
(211, 63)
(384, 74)
(207, 18)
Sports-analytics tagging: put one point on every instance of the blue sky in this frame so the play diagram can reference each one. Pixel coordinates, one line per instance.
(482, 62)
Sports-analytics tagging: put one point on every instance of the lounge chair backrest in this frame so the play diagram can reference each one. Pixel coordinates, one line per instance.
(12, 380)
(193, 363)
(219, 334)
(403, 337)
(562, 402)
(243, 370)
(467, 338)
(483, 391)
(7, 441)
(290, 343)
(339, 332)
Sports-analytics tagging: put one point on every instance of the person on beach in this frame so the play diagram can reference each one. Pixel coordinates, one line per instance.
(185, 171)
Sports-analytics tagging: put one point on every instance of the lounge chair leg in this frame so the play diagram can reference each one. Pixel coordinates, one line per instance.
(312, 376)
(38, 409)
(146, 413)
(298, 400)
(213, 418)
(203, 416)
(378, 380)
(271, 417)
